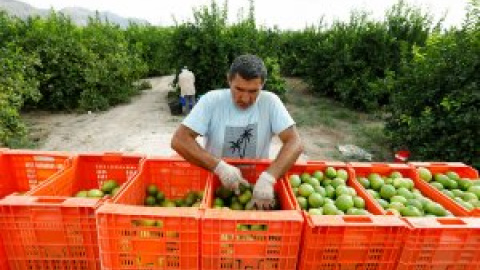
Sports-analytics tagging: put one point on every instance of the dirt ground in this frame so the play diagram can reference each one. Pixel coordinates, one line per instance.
(144, 125)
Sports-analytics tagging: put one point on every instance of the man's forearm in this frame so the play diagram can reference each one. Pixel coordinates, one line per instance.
(286, 157)
(190, 150)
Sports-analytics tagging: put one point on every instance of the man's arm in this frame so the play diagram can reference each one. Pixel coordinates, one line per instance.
(291, 149)
(263, 192)
(184, 143)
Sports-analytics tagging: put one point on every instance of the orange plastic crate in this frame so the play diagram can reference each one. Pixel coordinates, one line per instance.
(363, 169)
(348, 242)
(3, 257)
(52, 230)
(91, 171)
(463, 171)
(425, 239)
(22, 170)
(442, 243)
(352, 242)
(174, 242)
(223, 246)
(3, 254)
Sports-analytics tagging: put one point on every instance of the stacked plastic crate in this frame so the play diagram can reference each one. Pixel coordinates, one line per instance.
(22, 171)
(51, 228)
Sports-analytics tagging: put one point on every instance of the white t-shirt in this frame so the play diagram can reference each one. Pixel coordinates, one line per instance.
(232, 132)
(186, 80)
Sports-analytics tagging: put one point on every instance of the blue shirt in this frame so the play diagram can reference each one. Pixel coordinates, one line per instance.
(233, 132)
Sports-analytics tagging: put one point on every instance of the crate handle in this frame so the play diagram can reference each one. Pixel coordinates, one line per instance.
(182, 164)
(389, 165)
(451, 221)
(39, 158)
(381, 165)
(357, 219)
(315, 162)
(248, 227)
(147, 223)
(38, 214)
(50, 200)
(451, 164)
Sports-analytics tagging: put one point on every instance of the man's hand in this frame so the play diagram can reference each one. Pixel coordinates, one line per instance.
(230, 176)
(263, 197)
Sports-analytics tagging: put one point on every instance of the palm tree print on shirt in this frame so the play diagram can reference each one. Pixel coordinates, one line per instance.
(235, 146)
(241, 141)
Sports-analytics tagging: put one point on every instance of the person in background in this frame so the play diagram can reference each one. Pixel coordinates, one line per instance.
(186, 81)
(240, 122)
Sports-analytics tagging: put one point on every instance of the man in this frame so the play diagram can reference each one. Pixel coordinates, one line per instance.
(240, 122)
(186, 81)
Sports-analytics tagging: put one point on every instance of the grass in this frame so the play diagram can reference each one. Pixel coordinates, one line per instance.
(32, 139)
(310, 110)
(363, 130)
(372, 137)
(143, 85)
(25, 142)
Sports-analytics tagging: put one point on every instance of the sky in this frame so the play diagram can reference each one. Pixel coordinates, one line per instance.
(286, 14)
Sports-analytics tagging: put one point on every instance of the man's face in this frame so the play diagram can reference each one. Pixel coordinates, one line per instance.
(244, 92)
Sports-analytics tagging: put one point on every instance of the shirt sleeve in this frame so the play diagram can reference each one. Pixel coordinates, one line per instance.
(199, 118)
(281, 119)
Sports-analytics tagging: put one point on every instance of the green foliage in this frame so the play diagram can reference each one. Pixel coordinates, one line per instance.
(89, 68)
(435, 110)
(154, 45)
(64, 60)
(55, 65)
(427, 79)
(352, 59)
(202, 46)
(275, 83)
(144, 85)
(208, 46)
(18, 81)
(17, 84)
(297, 50)
(111, 78)
(270, 44)
(9, 30)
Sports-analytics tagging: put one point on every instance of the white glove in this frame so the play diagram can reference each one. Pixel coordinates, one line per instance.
(230, 176)
(263, 196)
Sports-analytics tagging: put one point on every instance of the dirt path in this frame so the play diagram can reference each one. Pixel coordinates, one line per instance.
(144, 125)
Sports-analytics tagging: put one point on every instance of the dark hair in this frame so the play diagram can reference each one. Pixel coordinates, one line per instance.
(248, 66)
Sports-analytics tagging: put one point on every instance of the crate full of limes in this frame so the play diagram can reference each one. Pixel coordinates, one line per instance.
(327, 191)
(155, 197)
